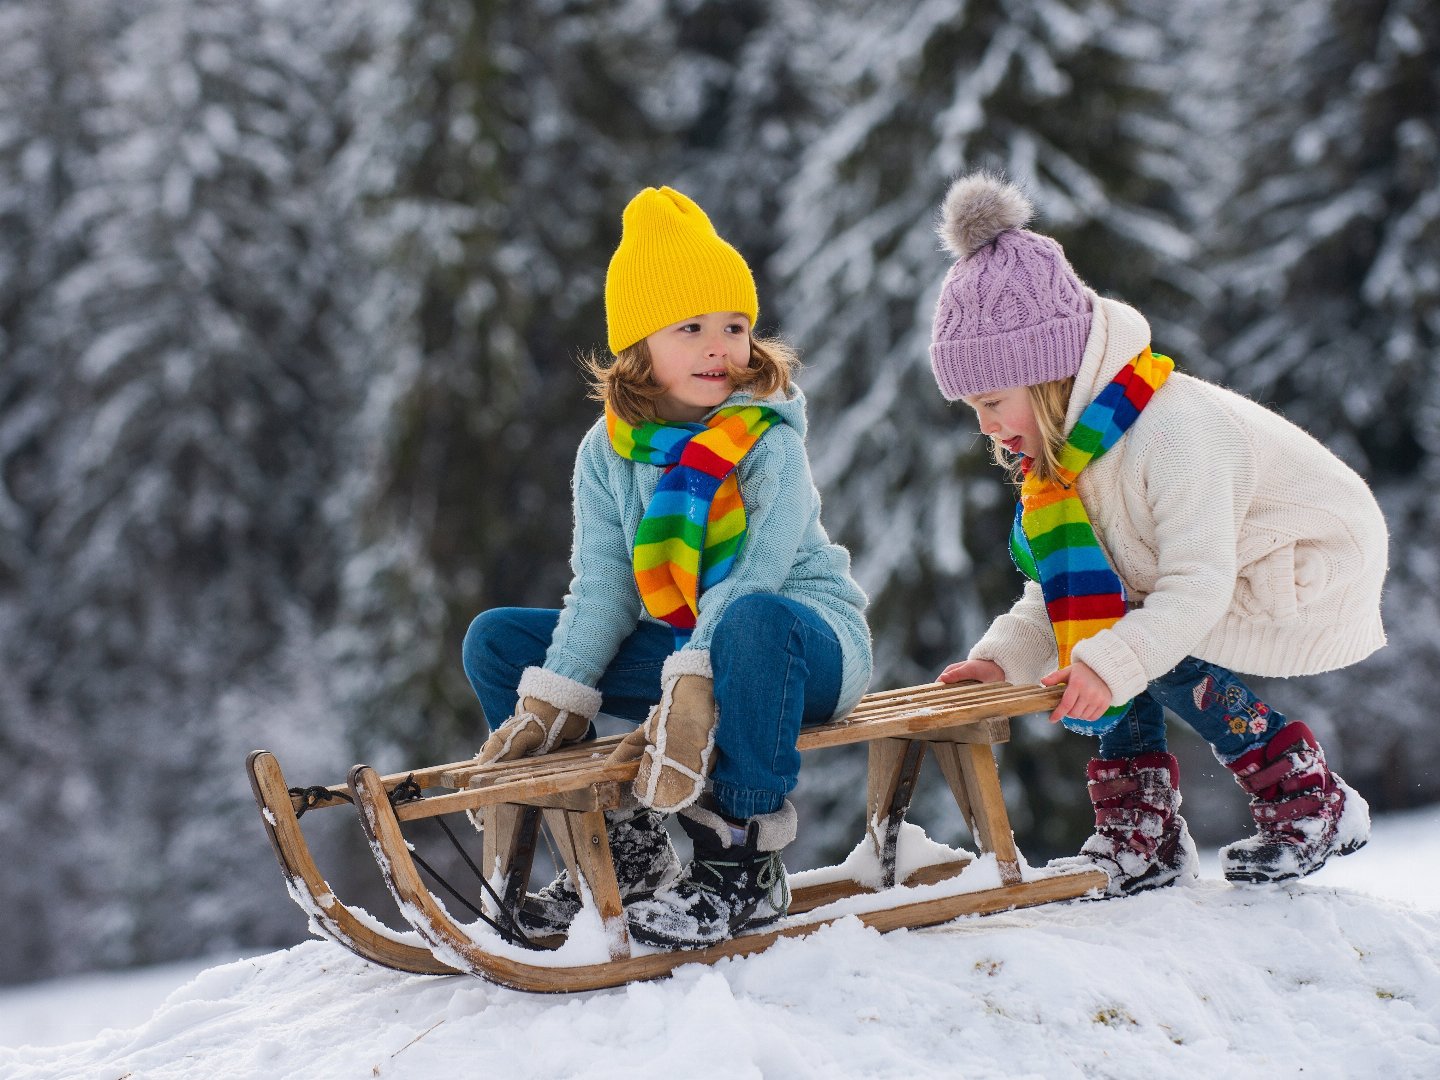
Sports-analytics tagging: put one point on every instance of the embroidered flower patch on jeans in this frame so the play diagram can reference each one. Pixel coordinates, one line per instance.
(1210, 698)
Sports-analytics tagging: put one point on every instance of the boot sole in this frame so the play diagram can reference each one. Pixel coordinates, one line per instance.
(671, 944)
(1151, 885)
(556, 932)
(1187, 869)
(1354, 818)
(1260, 877)
(1148, 885)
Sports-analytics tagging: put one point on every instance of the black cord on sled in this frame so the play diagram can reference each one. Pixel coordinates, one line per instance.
(317, 795)
(408, 791)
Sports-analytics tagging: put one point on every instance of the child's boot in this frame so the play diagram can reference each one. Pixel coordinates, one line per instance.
(1305, 812)
(1140, 839)
(644, 861)
(735, 883)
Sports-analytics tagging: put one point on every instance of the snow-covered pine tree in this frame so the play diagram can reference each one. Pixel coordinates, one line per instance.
(46, 74)
(184, 551)
(423, 188)
(748, 67)
(1327, 240)
(1063, 98)
(1329, 250)
(50, 56)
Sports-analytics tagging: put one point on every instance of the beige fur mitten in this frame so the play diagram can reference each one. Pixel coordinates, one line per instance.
(676, 745)
(551, 712)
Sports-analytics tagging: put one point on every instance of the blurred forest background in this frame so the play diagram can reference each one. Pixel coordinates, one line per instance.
(290, 301)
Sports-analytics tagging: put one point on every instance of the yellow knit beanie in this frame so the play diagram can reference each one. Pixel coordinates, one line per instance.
(671, 265)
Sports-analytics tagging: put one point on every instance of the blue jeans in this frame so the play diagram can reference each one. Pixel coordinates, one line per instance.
(1210, 698)
(777, 667)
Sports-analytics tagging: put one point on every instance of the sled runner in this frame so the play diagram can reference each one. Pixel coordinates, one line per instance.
(280, 810)
(573, 787)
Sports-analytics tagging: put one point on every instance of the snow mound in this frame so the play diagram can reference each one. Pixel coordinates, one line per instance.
(1195, 981)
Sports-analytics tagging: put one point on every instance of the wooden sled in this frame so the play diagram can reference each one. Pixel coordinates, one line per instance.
(574, 786)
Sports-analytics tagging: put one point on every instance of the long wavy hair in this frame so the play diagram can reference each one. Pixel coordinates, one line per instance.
(1050, 400)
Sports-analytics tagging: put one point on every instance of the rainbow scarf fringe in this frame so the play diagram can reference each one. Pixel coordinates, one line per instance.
(694, 528)
(1052, 540)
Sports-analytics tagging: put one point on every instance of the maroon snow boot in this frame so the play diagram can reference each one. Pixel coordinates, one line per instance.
(1305, 812)
(1140, 840)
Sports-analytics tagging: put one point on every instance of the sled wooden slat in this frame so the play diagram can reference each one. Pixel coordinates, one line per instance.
(425, 778)
(941, 715)
(923, 711)
(893, 767)
(539, 790)
(590, 847)
(808, 897)
(970, 772)
(931, 713)
(507, 852)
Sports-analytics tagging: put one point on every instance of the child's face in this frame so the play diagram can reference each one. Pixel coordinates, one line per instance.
(690, 361)
(1007, 417)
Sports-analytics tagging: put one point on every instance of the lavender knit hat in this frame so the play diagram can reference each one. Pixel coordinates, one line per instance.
(1011, 311)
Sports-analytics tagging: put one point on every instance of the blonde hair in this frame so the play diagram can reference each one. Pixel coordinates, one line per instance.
(625, 382)
(1049, 400)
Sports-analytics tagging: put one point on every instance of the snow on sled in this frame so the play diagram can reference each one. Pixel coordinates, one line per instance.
(895, 878)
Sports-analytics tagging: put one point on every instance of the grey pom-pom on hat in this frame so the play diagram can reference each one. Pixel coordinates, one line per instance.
(1012, 311)
(977, 209)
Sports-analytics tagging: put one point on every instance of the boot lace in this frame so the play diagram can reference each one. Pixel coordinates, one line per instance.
(707, 877)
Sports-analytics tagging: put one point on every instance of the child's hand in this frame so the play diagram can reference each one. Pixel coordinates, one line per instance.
(979, 670)
(1086, 694)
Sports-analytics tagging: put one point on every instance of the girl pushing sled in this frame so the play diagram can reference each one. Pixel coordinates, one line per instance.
(1174, 534)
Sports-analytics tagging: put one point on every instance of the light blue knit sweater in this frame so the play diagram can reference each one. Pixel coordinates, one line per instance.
(786, 552)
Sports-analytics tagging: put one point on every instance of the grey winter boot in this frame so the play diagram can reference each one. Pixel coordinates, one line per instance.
(730, 887)
(1305, 813)
(1140, 839)
(644, 861)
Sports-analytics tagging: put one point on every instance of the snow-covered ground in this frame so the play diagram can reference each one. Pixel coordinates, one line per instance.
(1334, 977)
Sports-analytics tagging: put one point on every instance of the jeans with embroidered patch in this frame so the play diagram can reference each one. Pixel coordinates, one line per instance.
(777, 667)
(1210, 698)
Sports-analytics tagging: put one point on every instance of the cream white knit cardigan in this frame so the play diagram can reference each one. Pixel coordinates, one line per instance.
(1245, 541)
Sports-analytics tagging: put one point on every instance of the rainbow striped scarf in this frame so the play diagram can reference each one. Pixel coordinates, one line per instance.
(1052, 540)
(694, 528)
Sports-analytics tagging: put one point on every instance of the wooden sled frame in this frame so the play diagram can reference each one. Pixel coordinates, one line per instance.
(572, 788)
(280, 810)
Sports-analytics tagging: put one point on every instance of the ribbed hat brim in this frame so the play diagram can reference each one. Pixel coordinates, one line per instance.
(1042, 353)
